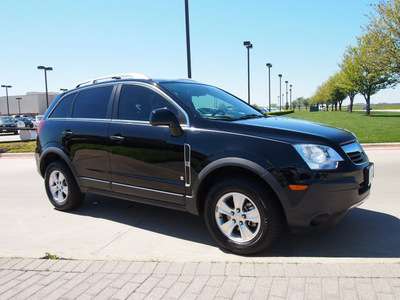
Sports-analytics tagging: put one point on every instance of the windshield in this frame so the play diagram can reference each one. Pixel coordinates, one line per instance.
(6, 120)
(212, 103)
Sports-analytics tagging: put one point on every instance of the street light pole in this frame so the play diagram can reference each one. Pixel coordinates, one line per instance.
(269, 65)
(19, 104)
(286, 94)
(290, 95)
(8, 106)
(45, 80)
(280, 92)
(248, 45)
(189, 64)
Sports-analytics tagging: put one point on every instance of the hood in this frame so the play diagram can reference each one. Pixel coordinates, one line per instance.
(289, 130)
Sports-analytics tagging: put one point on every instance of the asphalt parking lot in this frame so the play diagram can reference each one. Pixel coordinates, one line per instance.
(106, 228)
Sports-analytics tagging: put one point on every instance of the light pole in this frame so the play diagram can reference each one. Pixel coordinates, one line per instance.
(286, 94)
(189, 65)
(45, 80)
(7, 87)
(280, 92)
(269, 65)
(290, 95)
(248, 45)
(19, 104)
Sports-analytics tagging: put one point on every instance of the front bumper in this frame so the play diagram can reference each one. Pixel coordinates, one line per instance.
(8, 129)
(326, 202)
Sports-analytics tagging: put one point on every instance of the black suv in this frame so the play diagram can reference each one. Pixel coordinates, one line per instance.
(193, 147)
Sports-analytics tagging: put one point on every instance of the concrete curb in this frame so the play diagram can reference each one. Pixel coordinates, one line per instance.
(381, 145)
(17, 155)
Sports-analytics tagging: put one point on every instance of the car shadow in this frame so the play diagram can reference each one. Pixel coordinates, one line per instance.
(362, 234)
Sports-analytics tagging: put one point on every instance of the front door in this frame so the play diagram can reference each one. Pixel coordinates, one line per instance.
(146, 161)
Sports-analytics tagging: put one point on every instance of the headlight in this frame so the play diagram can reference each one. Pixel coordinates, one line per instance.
(319, 157)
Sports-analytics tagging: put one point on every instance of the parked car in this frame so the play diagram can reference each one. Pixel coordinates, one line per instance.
(25, 119)
(194, 147)
(7, 124)
(37, 120)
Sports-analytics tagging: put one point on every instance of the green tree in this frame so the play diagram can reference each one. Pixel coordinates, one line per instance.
(336, 92)
(384, 27)
(321, 95)
(299, 102)
(295, 104)
(306, 102)
(367, 73)
(346, 83)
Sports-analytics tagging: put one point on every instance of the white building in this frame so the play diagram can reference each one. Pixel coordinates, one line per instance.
(33, 103)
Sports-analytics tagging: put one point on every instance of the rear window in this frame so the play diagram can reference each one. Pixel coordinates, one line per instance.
(63, 107)
(92, 103)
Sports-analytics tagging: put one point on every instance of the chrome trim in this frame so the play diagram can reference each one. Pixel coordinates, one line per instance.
(353, 147)
(87, 120)
(132, 122)
(97, 180)
(187, 158)
(119, 121)
(146, 189)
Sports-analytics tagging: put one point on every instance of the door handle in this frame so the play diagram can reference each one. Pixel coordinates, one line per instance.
(117, 138)
(67, 133)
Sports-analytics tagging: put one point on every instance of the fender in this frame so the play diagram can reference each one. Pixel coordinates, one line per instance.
(262, 172)
(64, 157)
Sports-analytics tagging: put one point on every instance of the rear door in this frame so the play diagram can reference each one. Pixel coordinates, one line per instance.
(85, 136)
(146, 161)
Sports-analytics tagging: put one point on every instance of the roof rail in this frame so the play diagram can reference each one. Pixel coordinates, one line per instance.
(184, 79)
(116, 76)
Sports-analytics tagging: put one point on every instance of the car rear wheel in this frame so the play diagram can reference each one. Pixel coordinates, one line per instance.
(61, 187)
(242, 216)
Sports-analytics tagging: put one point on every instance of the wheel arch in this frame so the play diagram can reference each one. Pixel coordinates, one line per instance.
(226, 167)
(55, 154)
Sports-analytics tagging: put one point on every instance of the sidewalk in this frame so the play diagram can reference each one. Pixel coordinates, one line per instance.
(72, 279)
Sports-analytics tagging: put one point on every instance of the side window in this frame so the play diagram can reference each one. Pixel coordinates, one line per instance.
(63, 107)
(137, 102)
(92, 103)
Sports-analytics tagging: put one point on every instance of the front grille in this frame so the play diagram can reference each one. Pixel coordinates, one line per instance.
(355, 152)
(356, 157)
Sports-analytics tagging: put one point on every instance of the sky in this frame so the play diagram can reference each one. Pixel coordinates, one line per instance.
(304, 41)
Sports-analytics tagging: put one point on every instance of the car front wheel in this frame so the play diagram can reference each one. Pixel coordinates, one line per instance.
(242, 216)
(61, 187)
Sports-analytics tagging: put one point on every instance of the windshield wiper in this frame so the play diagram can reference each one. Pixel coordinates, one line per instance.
(222, 118)
(252, 116)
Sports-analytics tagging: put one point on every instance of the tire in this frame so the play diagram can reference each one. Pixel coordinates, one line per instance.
(61, 187)
(230, 206)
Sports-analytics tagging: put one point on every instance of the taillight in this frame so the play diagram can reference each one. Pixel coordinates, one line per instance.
(40, 126)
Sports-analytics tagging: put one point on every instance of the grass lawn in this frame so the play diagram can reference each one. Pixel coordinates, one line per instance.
(380, 127)
(18, 147)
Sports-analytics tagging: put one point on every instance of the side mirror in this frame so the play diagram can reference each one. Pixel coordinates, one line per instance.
(163, 116)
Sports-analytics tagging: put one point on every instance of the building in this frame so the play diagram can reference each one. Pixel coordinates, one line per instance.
(33, 103)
